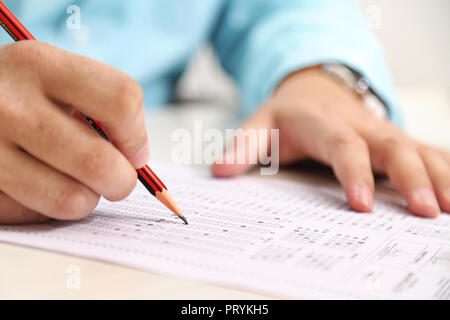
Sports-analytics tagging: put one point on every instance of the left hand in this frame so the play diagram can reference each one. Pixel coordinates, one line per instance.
(321, 119)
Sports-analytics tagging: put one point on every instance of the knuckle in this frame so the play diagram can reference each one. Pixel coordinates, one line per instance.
(126, 187)
(130, 97)
(345, 140)
(76, 204)
(94, 161)
(26, 53)
(14, 98)
(15, 118)
(101, 168)
(392, 144)
(426, 150)
(392, 147)
(360, 143)
(15, 51)
(130, 144)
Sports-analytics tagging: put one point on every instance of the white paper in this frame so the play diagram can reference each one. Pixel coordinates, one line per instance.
(285, 239)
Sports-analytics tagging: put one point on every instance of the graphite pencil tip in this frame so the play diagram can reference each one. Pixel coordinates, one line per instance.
(168, 201)
(184, 219)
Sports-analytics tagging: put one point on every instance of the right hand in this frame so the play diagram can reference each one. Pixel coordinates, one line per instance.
(51, 164)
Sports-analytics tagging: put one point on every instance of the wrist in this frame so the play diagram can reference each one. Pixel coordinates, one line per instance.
(359, 85)
(338, 76)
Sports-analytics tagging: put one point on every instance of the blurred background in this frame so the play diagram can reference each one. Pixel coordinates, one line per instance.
(416, 38)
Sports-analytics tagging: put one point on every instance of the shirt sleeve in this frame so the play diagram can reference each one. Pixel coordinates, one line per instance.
(260, 42)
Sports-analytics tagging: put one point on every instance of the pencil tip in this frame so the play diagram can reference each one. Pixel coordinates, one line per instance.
(184, 219)
(168, 201)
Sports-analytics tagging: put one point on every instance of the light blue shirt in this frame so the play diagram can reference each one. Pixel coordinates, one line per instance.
(258, 42)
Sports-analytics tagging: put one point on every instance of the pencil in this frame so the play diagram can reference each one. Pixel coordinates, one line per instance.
(146, 176)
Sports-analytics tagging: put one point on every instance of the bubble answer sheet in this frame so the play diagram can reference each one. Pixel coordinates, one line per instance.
(282, 238)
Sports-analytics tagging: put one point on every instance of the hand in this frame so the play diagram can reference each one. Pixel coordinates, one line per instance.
(321, 119)
(51, 164)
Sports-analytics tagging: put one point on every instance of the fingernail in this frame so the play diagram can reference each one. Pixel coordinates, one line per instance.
(447, 194)
(425, 197)
(142, 157)
(364, 196)
(446, 200)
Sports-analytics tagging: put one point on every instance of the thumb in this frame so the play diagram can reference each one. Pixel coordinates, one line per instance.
(246, 147)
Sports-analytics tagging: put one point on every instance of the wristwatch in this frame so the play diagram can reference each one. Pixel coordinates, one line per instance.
(356, 82)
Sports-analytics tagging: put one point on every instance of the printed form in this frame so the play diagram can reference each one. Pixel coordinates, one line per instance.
(282, 238)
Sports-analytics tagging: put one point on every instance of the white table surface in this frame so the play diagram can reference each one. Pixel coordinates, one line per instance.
(27, 273)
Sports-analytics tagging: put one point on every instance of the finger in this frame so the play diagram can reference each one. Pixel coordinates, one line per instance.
(96, 89)
(67, 145)
(407, 171)
(350, 160)
(331, 141)
(12, 212)
(243, 153)
(43, 189)
(446, 156)
(439, 171)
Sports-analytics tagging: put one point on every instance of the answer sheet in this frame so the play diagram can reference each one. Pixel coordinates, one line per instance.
(281, 238)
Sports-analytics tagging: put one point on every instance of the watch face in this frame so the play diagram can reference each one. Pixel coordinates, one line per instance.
(362, 86)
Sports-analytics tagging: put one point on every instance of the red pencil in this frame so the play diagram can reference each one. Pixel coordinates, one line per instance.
(149, 179)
